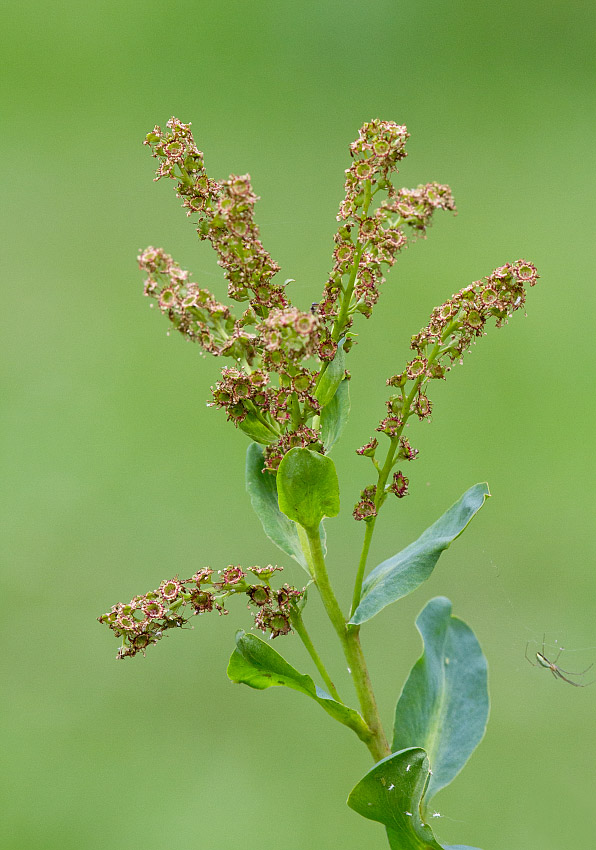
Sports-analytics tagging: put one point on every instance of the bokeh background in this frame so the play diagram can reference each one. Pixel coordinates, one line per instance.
(115, 474)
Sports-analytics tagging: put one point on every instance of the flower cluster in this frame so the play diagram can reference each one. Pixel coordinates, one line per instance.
(280, 351)
(415, 207)
(145, 619)
(303, 437)
(275, 608)
(225, 215)
(366, 241)
(455, 325)
(452, 329)
(193, 311)
(368, 505)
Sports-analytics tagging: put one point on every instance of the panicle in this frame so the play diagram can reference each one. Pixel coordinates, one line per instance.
(366, 508)
(145, 619)
(452, 329)
(367, 242)
(225, 215)
(270, 392)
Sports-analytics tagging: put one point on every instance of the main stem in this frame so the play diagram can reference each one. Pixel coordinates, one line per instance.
(350, 640)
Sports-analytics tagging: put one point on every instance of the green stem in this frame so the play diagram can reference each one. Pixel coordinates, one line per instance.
(344, 313)
(384, 471)
(300, 629)
(370, 527)
(350, 641)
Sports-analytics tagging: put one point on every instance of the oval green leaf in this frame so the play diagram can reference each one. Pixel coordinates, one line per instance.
(400, 575)
(335, 415)
(307, 487)
(444, 704)
(256, 664)
(262, 488)
(332, 376)
(391, 794)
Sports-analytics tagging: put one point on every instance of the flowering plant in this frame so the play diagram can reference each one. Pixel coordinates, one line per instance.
(287, 389)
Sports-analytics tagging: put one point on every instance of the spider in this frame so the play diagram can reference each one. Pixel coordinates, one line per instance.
(556, 670)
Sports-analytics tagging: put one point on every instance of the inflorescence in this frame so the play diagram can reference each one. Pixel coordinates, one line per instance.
(274, 389)
(145, 619)
(280, 352)
(452, 329)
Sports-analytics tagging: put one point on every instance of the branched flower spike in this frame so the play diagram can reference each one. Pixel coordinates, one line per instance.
(452, 329)
(145, 619)
(280, 352)
(284, 383)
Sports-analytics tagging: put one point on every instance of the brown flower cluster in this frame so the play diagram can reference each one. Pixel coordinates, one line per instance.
(452, 329)
(145, 619)
(280, 352)
(368, 241)
(225, 215)
(193, 311)
(455, 325)
(368, 505)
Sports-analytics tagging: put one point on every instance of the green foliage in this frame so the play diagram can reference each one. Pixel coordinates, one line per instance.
(443, 707)
(307, 487)
(400, 575)
(262, 489)
(334, 415)
(391, 793)
(256, 664)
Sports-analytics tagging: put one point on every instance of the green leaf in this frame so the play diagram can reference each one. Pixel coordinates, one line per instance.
(307, 487)
(391, 794)
(443, 707)
(256, 664)
(262, 489)
(404, 572)
(335, 415)
(254, 428)
(332, 376)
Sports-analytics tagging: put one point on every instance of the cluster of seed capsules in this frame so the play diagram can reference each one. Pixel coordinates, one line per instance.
(367, 242)
(270, 391)
(452, 329)
(145, 619)
(225, 215)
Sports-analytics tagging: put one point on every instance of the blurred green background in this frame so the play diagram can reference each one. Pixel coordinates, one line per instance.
(115, 475)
